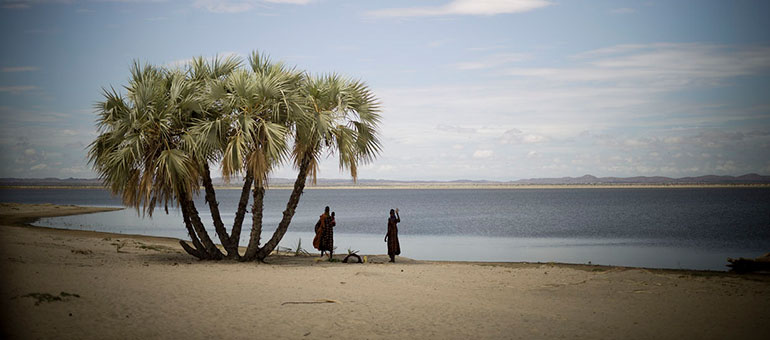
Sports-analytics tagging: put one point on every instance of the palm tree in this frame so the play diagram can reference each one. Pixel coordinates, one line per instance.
(341, 117)
(144, 152)
(208, 132)
(155, 144)
(245, 130)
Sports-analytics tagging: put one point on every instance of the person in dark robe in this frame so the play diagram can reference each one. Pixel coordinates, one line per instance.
(320, 227)
(327, 234)
(391, 237)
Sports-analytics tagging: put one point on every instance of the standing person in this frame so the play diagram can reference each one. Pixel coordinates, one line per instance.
(320, 226)
(391, 237)
(327, 234)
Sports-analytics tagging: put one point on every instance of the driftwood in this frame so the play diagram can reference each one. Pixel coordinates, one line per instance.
(352, 255)
(309, 302)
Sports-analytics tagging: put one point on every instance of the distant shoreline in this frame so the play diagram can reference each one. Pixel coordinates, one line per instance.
(442, 186)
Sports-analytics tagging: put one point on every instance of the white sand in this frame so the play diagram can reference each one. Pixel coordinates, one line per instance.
(150, 289)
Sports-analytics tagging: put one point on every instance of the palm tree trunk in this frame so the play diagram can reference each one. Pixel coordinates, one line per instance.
(235, 233)
(256, 222)
(199, 251)
(291, 206)
(211, 249)
(211, 199)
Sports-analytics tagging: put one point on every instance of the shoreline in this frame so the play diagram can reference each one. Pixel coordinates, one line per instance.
(23, 214)
(94, 285)
(443, 186)
(26, 219)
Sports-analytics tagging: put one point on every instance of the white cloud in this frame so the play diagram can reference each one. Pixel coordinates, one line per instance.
(438, 43)
(182, 63)
(20, 69)
(726, 167)
(217, 6)
(481, 154)
(625, 10)
(465, 7)
(658, 66)
(516, 136)
(455, 129)
(15, 5)
(17, 89)
(293, 2)
(619, 103)
(493, 61)
(237, 6)
(38, 167)
(24, 4)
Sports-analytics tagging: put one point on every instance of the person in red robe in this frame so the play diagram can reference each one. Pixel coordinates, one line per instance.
(391, 237)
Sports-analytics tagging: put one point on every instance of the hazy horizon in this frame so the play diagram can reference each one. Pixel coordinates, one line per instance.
(235, 180)
(477, 90)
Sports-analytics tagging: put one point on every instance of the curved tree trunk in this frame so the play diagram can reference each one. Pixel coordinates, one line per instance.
(198, 251)
(291, 206)
(211, 249)
(256, 222)
(192, 251)
(235, 233)
(219, 227)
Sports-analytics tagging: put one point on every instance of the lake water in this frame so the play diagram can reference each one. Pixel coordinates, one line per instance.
(693, 228)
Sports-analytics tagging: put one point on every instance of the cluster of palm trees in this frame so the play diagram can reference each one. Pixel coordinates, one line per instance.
(157, 141)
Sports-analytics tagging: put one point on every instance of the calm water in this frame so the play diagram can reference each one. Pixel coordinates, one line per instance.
(666, 228)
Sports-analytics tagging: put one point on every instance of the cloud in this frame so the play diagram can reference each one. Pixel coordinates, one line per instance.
(635, 109)
(482, 154)
(292, 2)
(438, 43)
(238, 6)
(38, 167)
(465, 7)
(493, 61)
(17, 89)
(455, 129)
(657, 67)
(182, 63)
(15, 5)
(516, 136)
(623, 10)
(20, 69)
(25, 4)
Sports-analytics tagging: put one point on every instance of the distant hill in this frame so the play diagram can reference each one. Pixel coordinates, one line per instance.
(709, 179)
(324, 182)
(42, 182)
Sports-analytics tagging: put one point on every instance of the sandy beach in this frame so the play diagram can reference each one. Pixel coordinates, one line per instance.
(91, 285)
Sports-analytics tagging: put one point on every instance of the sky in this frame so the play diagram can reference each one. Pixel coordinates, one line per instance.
(480, 90)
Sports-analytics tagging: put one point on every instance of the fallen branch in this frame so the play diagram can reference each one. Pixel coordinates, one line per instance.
(309, 302)
(352, 255)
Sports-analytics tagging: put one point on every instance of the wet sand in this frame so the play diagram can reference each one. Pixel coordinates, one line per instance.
(91, 285)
